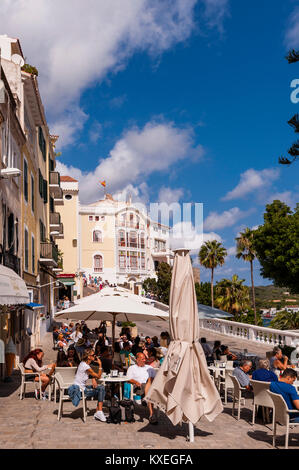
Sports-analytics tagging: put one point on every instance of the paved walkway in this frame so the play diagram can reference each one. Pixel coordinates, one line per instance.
(32, 424)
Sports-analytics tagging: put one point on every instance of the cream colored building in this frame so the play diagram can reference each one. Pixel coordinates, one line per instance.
(31, 201)
(108, 241)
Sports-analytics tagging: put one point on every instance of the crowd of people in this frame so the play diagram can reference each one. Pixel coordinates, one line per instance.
(277, 370)
(92, 353)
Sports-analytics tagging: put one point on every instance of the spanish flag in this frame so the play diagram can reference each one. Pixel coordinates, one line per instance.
(103, 183)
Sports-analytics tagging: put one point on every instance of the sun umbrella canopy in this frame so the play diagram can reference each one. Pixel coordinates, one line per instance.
(205, 311)
(183, 387)
(104, 307)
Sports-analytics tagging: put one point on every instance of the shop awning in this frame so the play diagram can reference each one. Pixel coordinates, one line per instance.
(67, 282)
(13, 290)
(34, 306)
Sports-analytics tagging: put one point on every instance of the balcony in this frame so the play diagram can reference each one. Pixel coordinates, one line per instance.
(11, 261)
(58, 197)
(61, 232)
(54, 179)
(54, 220)
(48, 254)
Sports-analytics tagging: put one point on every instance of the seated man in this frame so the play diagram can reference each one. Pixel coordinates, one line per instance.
(284, 386)
(140, 376)
(263, 373)
(241, 373)
(207, 349)
(230, 356)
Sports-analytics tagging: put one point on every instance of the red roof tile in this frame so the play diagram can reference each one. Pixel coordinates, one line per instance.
(68, 179)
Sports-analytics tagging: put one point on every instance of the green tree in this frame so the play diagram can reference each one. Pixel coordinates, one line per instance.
(285, 321)
(150, 286)
(203, 293)
(277, 245)
(246, 251)
(211, 255)
(250, 317)
(163, 282)
(232, 296)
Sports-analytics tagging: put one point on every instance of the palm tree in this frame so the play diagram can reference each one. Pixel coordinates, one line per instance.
(232, 295)
(285, 321)
(211, 255)
(246, 251)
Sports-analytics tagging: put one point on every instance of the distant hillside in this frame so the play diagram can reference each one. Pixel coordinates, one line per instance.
(264, 295)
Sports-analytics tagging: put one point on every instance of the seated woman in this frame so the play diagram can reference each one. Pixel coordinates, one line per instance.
(152, 359)
(263, 372)
(72, 357)
(226, 352)
(61, 342)
(33, 363)
(82, 375)
(126, 352)
(61, 360)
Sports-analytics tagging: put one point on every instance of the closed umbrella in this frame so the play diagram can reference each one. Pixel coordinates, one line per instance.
(183, 387)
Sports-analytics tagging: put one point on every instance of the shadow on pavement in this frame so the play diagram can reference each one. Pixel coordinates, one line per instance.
(8, 388)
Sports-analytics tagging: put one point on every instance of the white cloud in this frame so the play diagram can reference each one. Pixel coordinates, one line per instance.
(231, 251)
(216, 221)
(287, 197)
(292, 33)
(118, 101)
(215, 13)
(184, 235)
(75, 44)
(252, 180)
(170, 195)
(95, 132)
(139, 153)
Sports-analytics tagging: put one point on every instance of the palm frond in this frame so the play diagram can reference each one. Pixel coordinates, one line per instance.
(294, 122)
(294, 150)
(293, 56)
(284, 161)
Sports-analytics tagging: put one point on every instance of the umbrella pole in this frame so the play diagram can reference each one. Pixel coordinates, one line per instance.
(191, 432)
(113, 337)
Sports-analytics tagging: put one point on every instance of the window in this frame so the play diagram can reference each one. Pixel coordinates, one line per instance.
(133, 260)
(32, 193)
(142, 261)
(52, 207)
(68, 197)
(121, 238)
(45, 191)
(90, 218)
(98, 263)
(103, 218)
(26, 245)
(42, 230)
(10, 150)
(142, 245)
(97, 236)
(133, 239)
(122, 260)
(33, 254)
(40, 183)
(25, 180)
(97, 218)
(42, 143)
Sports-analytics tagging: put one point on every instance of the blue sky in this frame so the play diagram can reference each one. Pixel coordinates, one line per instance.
(180, 101)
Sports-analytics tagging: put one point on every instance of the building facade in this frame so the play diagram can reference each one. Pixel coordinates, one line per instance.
(28, 201)
(109, 241)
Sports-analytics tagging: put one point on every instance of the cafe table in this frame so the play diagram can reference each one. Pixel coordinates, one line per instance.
(107, 378)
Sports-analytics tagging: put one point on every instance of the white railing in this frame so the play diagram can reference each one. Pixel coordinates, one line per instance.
(257, 334)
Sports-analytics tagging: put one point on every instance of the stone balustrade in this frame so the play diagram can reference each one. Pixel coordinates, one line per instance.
(256, 334)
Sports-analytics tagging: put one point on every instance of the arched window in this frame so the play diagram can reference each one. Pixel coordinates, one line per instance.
(98, 263)
(133, 239)
(97, 236)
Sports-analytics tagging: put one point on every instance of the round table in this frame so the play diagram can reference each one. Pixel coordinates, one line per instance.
(117, 379)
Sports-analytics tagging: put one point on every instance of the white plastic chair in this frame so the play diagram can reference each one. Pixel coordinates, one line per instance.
(237, 395)
(68, 375)
(63, 387)
(24, 382)
(226, 383)
(281, 415)
(260, 397)
(223, 358)
(229, 363)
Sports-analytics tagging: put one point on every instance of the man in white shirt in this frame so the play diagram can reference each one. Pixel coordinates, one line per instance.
(141, 376)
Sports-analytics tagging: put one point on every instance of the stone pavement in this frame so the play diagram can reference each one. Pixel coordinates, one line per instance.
(32, 424)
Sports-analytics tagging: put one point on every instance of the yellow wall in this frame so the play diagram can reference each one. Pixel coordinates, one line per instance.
(89, 248)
